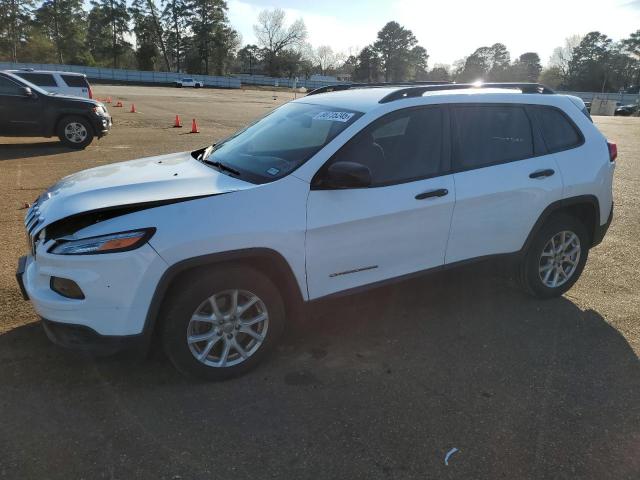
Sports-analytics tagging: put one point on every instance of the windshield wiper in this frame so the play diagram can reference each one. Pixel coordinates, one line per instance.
(221, 166)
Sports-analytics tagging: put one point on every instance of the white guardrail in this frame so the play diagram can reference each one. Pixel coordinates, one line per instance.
(140, 76)
(236, 81)
(623, 98)
(122, 75)
(285, 82)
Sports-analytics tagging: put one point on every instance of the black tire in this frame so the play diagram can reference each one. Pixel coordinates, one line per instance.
(530, 275)
(184, 301)
(197, 85)
(85, 133)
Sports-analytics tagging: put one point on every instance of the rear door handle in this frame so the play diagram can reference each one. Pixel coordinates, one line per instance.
(542, 173)
(441, 192)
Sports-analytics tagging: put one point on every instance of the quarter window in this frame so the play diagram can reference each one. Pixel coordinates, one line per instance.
(40, 79)
(557, 131)
(400, 147)
(75, 81)
(488, 135)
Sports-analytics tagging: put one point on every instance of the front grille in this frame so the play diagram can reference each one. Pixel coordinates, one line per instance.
(32, 221)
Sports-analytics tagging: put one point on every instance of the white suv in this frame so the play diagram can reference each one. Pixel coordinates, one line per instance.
(189, 82)
(214, 250)
(64, 83)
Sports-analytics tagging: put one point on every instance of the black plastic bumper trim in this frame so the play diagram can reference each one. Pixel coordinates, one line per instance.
(22, 264)
(85, 339)
(601, 230)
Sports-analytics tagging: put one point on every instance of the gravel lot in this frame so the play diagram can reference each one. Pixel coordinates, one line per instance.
(379, 385)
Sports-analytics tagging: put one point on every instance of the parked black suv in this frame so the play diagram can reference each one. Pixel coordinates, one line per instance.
(26, 110)
(626, 110)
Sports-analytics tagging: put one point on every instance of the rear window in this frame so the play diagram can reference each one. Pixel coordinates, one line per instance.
(488, 135)
(40, 79)
(558, 132)
(75, 81)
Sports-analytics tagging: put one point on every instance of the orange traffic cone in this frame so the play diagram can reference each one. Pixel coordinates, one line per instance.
(133, 108)
(177, 123)
(194, 126)
(119, 104)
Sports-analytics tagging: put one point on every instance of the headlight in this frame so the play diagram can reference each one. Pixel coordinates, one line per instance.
(115, 242)
(100, 110)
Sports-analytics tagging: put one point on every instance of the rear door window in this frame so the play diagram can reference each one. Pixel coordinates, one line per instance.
(40, 79)
(491, 134)
(558, 132)
(75, 81)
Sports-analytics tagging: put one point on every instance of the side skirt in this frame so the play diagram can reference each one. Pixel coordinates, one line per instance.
(505, 257)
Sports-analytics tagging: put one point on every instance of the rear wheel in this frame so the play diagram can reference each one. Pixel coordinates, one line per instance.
(556, 257)
(75, 132)
(222, 324)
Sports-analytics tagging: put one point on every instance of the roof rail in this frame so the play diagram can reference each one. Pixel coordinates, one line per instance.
(412, 92)
(346, 86)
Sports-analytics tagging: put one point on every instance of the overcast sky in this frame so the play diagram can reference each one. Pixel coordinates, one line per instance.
(449, 29)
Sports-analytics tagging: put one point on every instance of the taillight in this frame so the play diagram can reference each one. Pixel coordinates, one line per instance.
(90, 93)
(613, 151)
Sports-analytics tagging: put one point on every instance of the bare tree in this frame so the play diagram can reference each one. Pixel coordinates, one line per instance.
(275, 37)
(561, 56)
(327, 59)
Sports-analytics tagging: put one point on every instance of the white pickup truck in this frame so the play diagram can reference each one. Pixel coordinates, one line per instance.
(189, 82)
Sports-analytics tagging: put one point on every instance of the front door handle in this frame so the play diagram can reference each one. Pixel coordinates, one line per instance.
(542, 173)
(441, 192)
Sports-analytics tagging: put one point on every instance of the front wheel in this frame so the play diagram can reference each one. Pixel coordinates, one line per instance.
(556, 257)
(223, 323)
(75, 132)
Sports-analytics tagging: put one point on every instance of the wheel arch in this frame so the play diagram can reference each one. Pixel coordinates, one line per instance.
(267, 261)
(585, 208)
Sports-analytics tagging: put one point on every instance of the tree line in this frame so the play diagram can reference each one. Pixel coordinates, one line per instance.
(195, 36)
(590, 63)
(176, 35)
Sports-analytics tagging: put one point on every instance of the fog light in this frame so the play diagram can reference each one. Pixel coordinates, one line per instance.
(66, 288)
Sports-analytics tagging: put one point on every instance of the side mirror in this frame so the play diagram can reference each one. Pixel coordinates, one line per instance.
(26, 92)
(347, 175)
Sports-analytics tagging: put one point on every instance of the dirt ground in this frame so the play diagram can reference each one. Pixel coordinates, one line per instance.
(379, 385)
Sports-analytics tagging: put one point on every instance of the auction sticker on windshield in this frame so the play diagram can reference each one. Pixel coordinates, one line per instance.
(334, 116)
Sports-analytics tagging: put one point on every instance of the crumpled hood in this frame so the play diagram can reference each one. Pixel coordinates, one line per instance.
(165, 177)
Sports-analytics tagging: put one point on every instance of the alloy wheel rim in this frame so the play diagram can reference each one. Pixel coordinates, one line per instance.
(227, 328)
(75, 132)
(559, 259)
